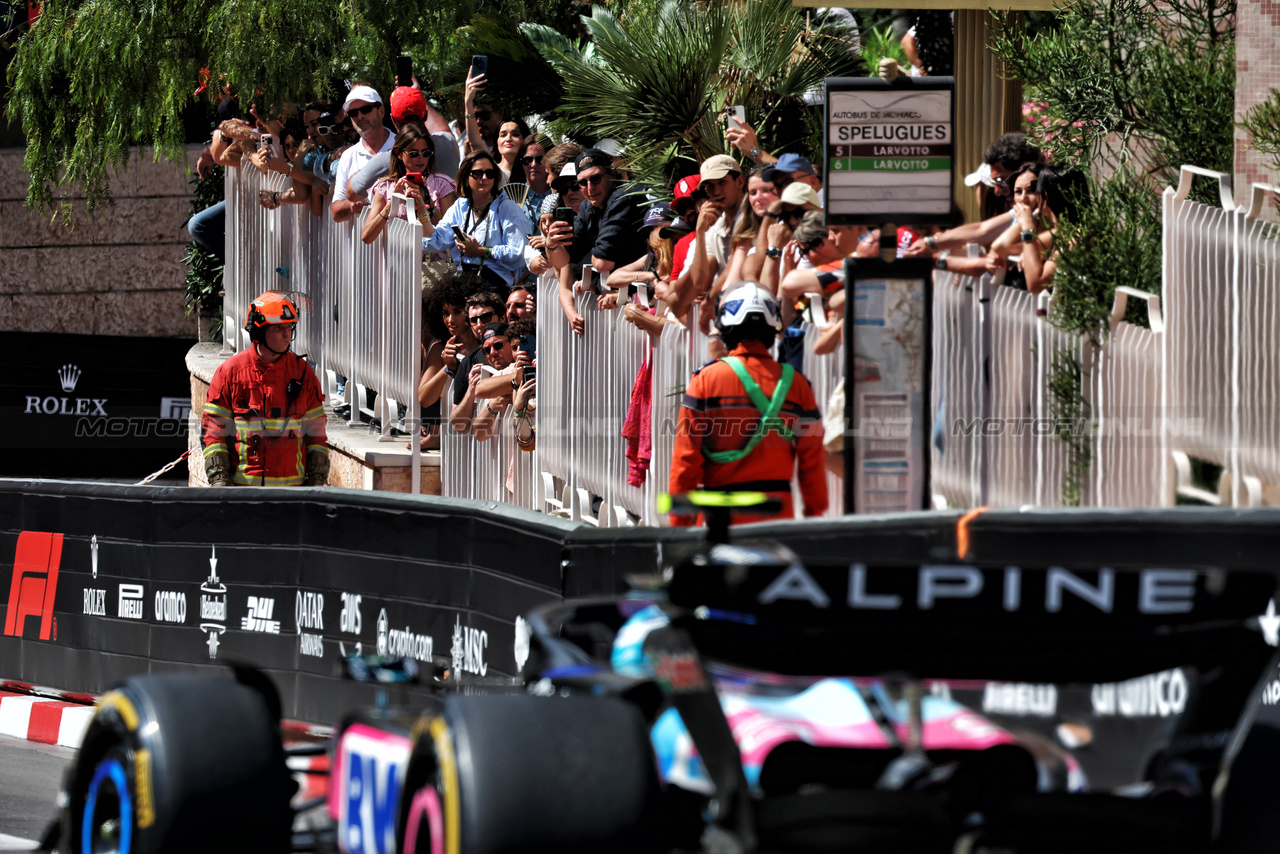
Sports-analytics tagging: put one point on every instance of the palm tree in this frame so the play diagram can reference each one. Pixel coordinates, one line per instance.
(657, 75)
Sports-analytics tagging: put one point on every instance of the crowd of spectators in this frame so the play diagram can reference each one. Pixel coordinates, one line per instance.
(500, 205)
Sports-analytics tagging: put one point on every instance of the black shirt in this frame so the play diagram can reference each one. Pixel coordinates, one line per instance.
(613, 233)
(462, 376)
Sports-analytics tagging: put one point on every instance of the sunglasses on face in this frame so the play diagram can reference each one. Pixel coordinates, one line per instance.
(812, 245)
(363, 111)
(484, 115)
(496, 346)
(530, 159)
(594, 180)
(487, 317)
(793, 214)
(480, 174)
(418, 153)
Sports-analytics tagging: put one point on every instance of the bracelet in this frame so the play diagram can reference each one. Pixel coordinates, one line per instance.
(931, 242)
(489, 406)
(289, 174)
(450, 371)
(386, 212)
(275, 197)
(772, 214)
(468, 115)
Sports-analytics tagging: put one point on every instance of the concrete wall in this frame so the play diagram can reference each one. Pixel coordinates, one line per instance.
(1257, 73)
(120, 273)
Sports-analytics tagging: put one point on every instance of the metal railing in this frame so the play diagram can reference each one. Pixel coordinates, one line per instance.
(365, 301)
(1222, 392)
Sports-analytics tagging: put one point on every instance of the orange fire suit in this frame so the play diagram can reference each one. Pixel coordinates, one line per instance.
(716, 414)
(249, 414)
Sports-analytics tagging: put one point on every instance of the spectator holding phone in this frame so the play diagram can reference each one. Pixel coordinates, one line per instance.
(485, 232)
(483, 118)
(409, 174)
(408, 106)
(365, 107)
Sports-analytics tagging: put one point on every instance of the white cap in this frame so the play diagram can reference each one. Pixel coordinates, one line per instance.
(800, 193)
(362, 93)
(982, 173)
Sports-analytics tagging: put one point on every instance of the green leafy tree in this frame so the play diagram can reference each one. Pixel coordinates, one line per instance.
(1263, 122)
(93, 77)
(658, 76)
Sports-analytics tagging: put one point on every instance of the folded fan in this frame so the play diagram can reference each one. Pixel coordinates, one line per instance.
(516, 193)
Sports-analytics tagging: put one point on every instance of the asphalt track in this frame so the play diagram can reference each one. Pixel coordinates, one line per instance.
(29, 777)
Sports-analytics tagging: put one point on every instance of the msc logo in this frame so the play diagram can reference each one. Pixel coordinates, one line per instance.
(35, 583)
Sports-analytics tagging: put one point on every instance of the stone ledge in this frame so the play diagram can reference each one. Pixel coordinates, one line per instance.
(358, 459)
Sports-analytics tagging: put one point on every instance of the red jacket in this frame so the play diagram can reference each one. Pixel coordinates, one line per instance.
(248, 414)
(717, 413)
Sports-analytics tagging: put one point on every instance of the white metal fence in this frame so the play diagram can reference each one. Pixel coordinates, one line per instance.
(365, 301)
(1201, 381)
(1222, 305)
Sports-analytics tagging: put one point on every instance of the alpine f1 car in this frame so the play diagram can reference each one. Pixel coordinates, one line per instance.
(687, 716)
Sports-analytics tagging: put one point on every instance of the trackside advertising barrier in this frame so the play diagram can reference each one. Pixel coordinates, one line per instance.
(1082, 625)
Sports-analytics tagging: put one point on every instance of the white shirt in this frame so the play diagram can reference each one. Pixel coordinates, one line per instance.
(717, 241)
(352, 161)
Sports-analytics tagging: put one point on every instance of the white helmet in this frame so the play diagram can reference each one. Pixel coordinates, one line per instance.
(746, 298)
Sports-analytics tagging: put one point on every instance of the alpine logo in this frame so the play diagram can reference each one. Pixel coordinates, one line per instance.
(213, 605)
(468, 649)
(259, 616)
(129, 602)
(35, 583)
(1159, 591)
(171, 606)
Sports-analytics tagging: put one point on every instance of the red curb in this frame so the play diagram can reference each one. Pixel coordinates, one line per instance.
(46, 720)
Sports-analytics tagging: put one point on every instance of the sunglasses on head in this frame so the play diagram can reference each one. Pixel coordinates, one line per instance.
(479, 174)
(363, 111)
(328, 130)
(594, 180)
(494, 347)
(487, 317)
(530, 159)
(419, 153)
(484, 115)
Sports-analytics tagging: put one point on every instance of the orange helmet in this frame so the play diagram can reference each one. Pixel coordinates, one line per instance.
(270, 308)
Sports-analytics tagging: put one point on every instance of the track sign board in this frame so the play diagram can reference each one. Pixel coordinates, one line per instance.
(889, 150)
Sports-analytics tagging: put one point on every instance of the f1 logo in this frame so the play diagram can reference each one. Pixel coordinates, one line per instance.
(35, 581)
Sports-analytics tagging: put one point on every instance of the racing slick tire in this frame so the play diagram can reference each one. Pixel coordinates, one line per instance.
(513, 772)
(179, 763)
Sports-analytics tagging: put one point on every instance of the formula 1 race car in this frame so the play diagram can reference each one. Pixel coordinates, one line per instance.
(686, 716)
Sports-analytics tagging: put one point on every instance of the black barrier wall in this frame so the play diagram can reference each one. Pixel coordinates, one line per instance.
(100, 582)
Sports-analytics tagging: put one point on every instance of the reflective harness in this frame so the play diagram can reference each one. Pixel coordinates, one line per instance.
(769, 409)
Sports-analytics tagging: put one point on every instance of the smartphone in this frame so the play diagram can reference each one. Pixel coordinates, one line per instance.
(529, 344)
(564, 215)
(459, 233)
(404, 71)
(479, 66)
(738, 114)
(416, 178)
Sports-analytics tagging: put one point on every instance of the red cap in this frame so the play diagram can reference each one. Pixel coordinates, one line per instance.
(408, 104)
(685, 188)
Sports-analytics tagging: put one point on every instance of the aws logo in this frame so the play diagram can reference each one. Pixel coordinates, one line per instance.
(34, 584)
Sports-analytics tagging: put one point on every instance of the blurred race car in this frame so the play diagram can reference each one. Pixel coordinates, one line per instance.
(685, 717)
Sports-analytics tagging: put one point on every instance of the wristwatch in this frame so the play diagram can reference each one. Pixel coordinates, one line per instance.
(1028, 235)
(754, 153)
(941, 262)
(772, 214)
(514, 384)
(774, 252)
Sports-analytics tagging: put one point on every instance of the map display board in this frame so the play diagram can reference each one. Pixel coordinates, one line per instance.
(886, 405)
(888, 150)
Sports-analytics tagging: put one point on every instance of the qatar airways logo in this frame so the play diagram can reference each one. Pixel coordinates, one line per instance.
(1160, 591)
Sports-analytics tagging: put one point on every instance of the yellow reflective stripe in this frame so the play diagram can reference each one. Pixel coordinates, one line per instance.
(258, 480)
(318, 448)
(318, 412)
(215, 409)
(215, 448)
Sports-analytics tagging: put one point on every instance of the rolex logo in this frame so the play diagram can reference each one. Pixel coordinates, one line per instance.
(69, 375)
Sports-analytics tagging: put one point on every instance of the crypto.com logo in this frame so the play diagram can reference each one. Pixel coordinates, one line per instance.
(35, 582)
